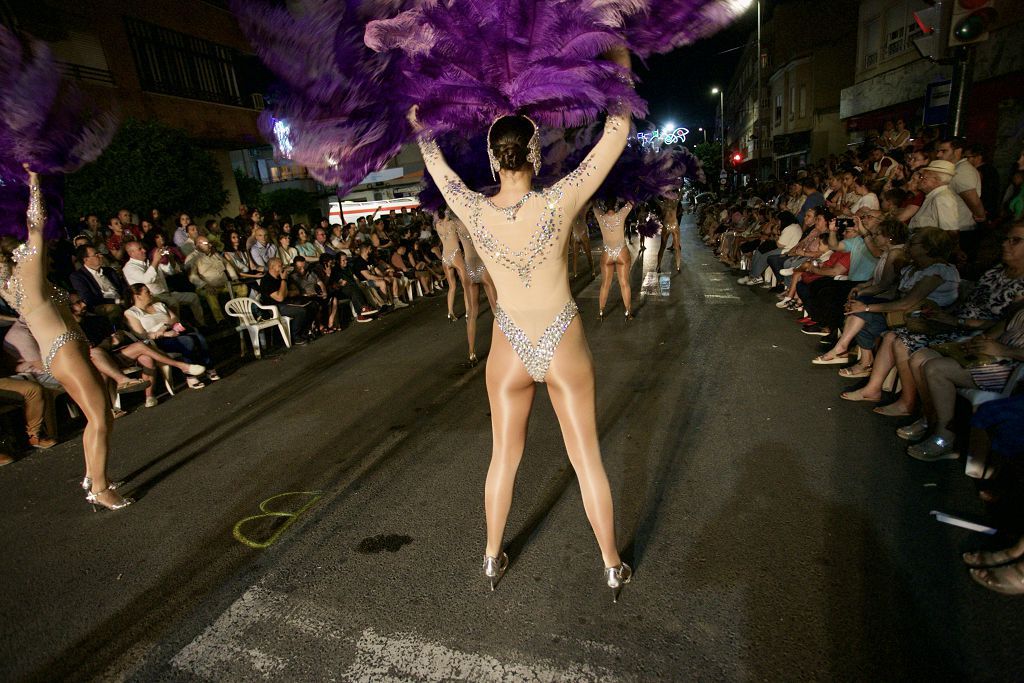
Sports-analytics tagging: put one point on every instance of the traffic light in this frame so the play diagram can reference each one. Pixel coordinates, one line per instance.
(970, 21)
(934, 24)
(737, 159)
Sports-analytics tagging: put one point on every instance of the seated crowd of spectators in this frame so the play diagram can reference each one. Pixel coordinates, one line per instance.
(147, 295)
(906, 264)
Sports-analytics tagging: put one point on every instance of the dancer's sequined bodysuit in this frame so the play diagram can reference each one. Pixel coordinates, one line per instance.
(612, 230)
(524, 245)
(475, 266)
(24, 286)
(447, 231)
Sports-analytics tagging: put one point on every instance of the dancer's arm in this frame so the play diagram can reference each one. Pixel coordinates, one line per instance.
(581, 184)
(36, 216)
(455, 192)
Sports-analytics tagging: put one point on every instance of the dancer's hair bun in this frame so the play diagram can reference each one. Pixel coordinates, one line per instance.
(509, 141)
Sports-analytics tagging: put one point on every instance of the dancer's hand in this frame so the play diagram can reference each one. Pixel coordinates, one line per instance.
(31, 174)
(619, 55)
(414, 121)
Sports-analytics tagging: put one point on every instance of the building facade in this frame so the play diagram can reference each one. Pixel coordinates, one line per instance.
(807, 57)
(183, 63)
(893, 80)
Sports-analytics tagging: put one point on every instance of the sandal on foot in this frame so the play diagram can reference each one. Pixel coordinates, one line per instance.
(117, 412)
(194, 383)
(132, 385)
(1008, 579)
(986, 559)
(858, 395)
(933, 449)
(212, 374)
(915, 431)
(855, 372)
(889, 411)
(835, 359)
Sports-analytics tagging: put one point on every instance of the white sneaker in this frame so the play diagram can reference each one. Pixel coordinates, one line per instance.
(783, 303)
(755, 280)
(400, 304)
(743, 280)
(786, 272)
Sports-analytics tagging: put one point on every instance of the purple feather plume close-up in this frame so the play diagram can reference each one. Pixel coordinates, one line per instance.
(334, 109)
(46, 123)
(659, 26)
(466, 63)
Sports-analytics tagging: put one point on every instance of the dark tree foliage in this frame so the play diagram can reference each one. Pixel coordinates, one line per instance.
(148, 165)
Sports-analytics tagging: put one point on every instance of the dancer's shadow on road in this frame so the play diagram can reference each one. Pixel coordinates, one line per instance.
(815, 592)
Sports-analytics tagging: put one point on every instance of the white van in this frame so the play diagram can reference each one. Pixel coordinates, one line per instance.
(348, 212)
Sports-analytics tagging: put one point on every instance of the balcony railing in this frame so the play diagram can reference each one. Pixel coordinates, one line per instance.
(80, 72)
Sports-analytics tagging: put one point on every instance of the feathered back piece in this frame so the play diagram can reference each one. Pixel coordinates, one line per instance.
(334, 109)
(47, 124)
(46, 121)
(467, 62)
(659, 26)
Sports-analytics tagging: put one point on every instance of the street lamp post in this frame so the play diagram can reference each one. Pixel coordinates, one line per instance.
(721, 109)
(705, 135)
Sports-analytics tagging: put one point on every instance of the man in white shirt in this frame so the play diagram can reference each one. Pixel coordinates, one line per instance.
(966, 182)
(140, 271)
(261, 250)
(941, 207)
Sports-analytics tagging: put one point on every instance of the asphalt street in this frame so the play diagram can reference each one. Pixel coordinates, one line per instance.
(776, 531)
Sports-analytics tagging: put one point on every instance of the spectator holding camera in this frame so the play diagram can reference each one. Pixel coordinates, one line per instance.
(274, 292)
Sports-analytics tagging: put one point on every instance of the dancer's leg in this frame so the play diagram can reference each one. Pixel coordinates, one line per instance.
(622, 270)
(570, 383)
(489, 290)
(472, 311)
(607, 269)
(72, 368)
(449, 273)
(662, 243)
(677, 255)
(510, 391)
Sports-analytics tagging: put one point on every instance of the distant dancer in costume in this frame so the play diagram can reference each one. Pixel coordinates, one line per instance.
(615, 256)
(581, 240)
(476, 275)
(670, 228)
(451, 257)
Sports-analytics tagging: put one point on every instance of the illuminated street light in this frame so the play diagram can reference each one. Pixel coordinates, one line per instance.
(705, 135)
(721, 104)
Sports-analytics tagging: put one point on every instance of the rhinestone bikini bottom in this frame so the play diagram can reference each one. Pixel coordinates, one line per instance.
(536, 358)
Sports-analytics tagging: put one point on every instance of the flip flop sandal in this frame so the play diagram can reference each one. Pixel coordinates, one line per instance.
(851, 373)
(887, 411)
(986, 559)
(837, 359)
(856, 395)
(1008, 580)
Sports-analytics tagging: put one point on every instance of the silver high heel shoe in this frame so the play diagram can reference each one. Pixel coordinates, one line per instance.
(629, 316)
(452, 317)
(473, 360)
(494, 568)
(617, 577)
(92, 497)
(600, 315)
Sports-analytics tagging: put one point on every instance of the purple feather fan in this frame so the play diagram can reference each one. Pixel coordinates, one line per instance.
(334, 110)
(650, 226)
(661, 26)
(46, 120)
(466, 63)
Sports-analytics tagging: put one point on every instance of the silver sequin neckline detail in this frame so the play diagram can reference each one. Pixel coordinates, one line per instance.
(509, 212)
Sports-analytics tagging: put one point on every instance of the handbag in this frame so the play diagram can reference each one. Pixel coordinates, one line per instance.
(958, 352)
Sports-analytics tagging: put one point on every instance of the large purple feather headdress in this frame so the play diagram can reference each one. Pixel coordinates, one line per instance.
(334, 110)
(657, 26)
(468, 62)
(46, 124)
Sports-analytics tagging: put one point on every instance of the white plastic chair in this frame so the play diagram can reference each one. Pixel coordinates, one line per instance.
(241, 308)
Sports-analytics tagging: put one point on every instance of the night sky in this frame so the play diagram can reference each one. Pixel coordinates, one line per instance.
(677, 86)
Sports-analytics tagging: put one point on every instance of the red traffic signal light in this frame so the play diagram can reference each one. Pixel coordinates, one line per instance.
(970, 21)
(737, 158)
